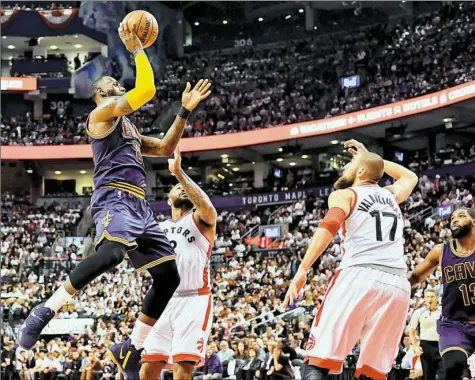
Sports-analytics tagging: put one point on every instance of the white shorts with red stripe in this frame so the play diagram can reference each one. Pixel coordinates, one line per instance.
(363, 304)
(181, 333)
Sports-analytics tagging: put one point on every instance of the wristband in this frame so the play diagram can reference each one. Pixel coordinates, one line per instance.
(184, 113)
(138, 51)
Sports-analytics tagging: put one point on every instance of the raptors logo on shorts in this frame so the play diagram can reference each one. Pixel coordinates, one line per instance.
(200, 345)
(311, 342)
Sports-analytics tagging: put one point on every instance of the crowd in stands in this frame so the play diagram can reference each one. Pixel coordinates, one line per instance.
(298, 81)
(250, 325)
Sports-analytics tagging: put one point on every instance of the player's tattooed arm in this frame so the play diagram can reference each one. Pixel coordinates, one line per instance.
(424, 269)
(154, 147)
(205, 211)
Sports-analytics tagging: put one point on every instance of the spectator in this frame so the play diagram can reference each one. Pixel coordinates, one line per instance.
(212, 369)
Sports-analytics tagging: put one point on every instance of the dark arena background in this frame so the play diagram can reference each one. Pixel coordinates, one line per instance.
(291, 81)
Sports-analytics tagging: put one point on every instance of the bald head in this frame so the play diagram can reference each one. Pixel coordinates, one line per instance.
(105, 87)
(373, 164)
(365, 167)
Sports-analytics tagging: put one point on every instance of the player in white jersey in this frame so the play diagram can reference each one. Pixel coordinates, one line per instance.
(180, 336)
(368, 297)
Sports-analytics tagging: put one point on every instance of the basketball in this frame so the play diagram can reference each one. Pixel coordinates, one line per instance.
(146, 26)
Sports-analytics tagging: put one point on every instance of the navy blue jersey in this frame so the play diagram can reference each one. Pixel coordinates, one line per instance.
(117, 157)
(458, 280)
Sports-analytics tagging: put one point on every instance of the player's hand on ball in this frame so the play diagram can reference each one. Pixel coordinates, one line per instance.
(190, 99)
(355, 147)
(174, 164)
(129, 38)
(295, 287)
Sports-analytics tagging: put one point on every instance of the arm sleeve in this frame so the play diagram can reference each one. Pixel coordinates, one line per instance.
(144, 83)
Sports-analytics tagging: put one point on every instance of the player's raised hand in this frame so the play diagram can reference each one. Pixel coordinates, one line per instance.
(355, 147)
(295, 287)
(190, 99)
(174, 164)
(129, 38)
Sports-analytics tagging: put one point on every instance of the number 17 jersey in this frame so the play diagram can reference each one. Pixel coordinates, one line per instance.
(373, 232)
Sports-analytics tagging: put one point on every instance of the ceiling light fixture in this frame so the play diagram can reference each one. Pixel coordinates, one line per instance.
(197, 23)
(287, 17)
(78, 46)
(280, 149)
(82, 171)
(305, 156)
(11, 47)
(57, 172)
(292, 163)
(280, 159)
(225, 22)
(224, 155)
(301, 10)
(235, 169)
(53, 47)
(260, 19)
(334, 142)
(29, 171)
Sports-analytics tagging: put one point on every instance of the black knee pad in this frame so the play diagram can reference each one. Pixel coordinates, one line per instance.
(454, 363)
(108, 256)
(311, 372)
(165, 276)
(165, 281)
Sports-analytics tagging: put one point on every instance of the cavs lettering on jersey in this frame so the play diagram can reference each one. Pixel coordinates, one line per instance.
(193, 252)
(373, 233)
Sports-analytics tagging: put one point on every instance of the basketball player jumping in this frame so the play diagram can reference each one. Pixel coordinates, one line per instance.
(456, 327)
(180, 336)
(368, 297)
(124, 221)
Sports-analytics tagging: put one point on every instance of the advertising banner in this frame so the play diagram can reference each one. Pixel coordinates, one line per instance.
(256, 199)
(68, 326)
(264, 136)
(19, 84)
(444, 212)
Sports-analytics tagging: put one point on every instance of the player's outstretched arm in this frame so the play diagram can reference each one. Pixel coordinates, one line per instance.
(340, 203)
(144, 89)
(205, 211)
(406, 180)
(154, 147)
(424, 269)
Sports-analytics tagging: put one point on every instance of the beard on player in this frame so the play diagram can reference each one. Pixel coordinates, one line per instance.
(183, 202)
(345, 181)
(459, 231)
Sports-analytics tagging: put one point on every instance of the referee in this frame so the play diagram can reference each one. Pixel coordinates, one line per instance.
(425, 318)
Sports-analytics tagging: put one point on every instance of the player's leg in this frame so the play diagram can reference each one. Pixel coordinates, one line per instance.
(158, 347)
(337, 325)
(454, 364)
(108, 256)
(191, 320)
(455, 344)
(384, 326)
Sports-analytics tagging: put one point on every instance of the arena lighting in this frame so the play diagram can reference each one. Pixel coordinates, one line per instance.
(280, 159)
(301, 10)
(260, 19)
(315, 27)
(53, 47)
(447, 120)
(281, 149)
(292, 163)
(197, 23)
(225, 155)
(82, 171)
(228, 165)
(78, 46)
(235, 169)
(305, 156)
(230, 185)
(253, 162)
(287, 17)
(4, 37)
(225, 22)
(221, 176)
(334, 142)
(11, 47)
(29, 171)
(57, 172)
(190, 167)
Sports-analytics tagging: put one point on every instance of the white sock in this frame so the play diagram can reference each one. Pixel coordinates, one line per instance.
(58, 299)
(139, 333)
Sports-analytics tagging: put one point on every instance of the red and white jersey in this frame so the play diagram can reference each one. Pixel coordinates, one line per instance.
(193, 252)
(373, 233)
